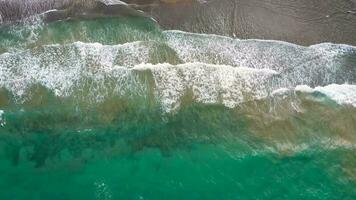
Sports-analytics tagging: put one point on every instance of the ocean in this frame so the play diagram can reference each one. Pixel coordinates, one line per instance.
(117, 107)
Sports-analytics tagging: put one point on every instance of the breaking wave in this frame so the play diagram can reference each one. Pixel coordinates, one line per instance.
(212, 69)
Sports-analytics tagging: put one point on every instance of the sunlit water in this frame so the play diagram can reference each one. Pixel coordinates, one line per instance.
(116, 108)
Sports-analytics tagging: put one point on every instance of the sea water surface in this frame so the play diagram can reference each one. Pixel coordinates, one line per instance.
(115, 107)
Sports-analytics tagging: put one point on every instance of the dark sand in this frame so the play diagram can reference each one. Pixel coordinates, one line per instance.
(303, 21)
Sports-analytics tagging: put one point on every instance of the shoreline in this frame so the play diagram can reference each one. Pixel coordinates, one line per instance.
(305, 22)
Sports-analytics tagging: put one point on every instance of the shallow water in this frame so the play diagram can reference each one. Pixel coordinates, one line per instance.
(118, 108)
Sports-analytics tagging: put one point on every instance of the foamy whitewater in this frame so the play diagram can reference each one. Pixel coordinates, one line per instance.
(2, 121)
(215, 69)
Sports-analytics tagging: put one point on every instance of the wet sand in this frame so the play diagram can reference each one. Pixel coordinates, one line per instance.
(303, 22)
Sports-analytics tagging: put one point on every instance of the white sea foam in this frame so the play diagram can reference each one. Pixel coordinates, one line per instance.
(304, 88)
(63, 67)
(208, 83)
(112, 2)
(280, 91)
(217, 69)
(2, 119)
(342, 94)
(315, 65)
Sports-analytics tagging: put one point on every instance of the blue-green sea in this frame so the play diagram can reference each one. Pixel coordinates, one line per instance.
(116, 108)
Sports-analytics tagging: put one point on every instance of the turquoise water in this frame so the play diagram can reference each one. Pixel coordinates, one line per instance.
(116, 108)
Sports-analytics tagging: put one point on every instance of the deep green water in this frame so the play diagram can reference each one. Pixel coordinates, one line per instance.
(152, 114)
